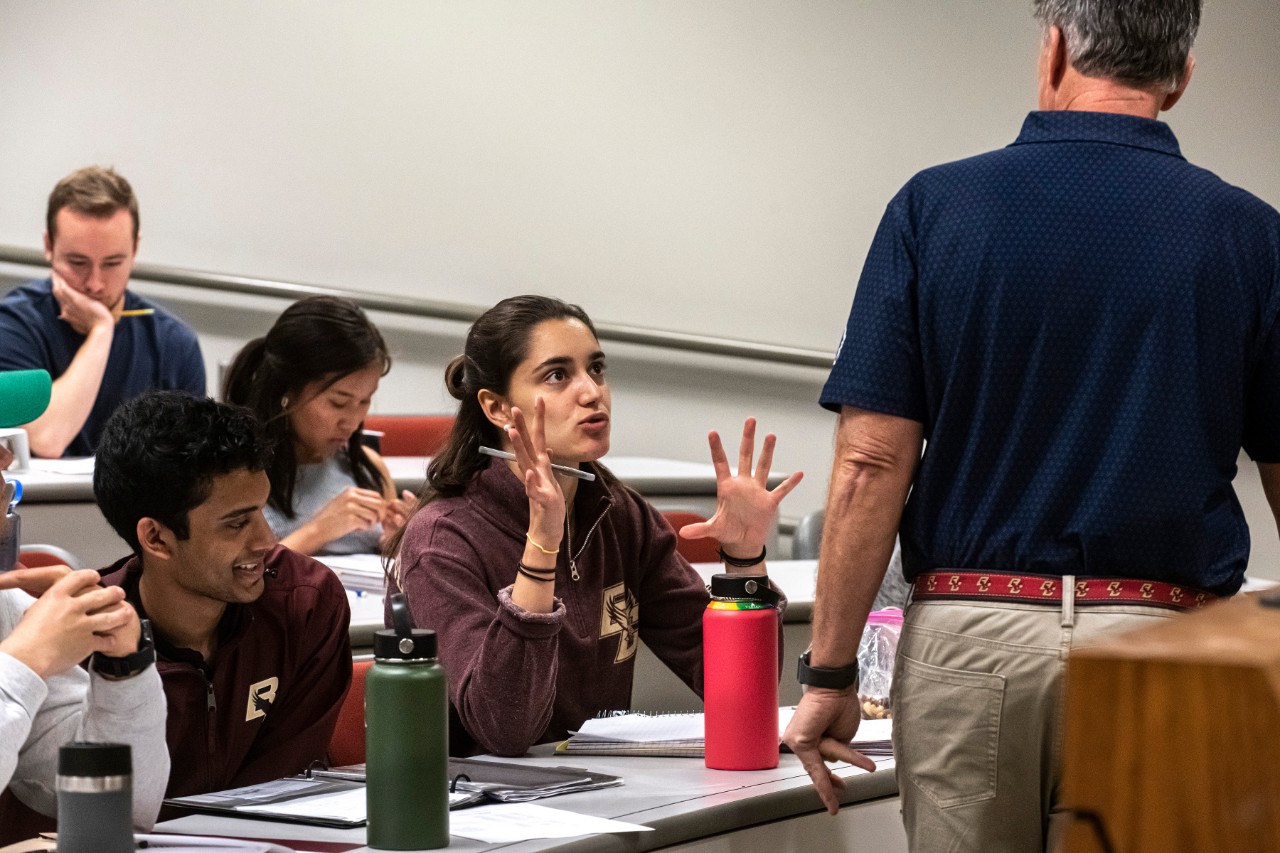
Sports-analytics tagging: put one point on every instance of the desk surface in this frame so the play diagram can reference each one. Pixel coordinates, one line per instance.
(679, 797)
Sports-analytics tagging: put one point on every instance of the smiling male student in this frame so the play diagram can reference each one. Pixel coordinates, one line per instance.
(251, 637)
(101, 343)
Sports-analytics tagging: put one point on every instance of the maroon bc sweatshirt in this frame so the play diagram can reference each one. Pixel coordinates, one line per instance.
(518, 678)
(266, 706)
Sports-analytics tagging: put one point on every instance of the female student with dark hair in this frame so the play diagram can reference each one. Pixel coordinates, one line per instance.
(310, 380)
(539, 583)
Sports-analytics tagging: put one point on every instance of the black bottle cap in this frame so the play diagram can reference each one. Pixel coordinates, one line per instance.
(403, 641)
(743, 587)
(79, 758)
(418, 644)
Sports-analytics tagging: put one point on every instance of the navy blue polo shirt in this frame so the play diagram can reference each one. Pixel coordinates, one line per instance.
(156, 351)
(1085, 324)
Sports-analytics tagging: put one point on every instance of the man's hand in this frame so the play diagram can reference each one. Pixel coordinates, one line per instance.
(81, 312)
(824, 723)
(72, 619)
(34, 582)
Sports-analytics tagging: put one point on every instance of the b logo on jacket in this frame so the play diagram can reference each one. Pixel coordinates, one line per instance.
(261, 695)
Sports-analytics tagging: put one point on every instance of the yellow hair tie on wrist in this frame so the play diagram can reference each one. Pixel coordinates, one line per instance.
(539, 547)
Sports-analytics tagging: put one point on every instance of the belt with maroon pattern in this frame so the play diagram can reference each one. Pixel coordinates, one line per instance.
(1047, 589)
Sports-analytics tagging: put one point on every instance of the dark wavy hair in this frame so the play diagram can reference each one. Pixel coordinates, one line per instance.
(317, 339)
(159, 453)
(496, 344)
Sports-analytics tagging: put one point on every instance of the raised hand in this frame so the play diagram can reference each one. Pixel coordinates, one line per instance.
(546, 499)
(81, 312)
(72, 619)
(745, 507)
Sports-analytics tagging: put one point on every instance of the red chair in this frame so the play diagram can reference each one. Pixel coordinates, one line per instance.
(693, 550)
(35, 556)
(347, 744)
(411, 435)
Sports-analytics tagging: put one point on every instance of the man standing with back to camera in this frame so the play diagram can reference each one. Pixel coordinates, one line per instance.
(1082, 326)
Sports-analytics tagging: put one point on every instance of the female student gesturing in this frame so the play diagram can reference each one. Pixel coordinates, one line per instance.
(540, 583)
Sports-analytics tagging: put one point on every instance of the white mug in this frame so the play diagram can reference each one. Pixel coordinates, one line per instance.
(16, 440)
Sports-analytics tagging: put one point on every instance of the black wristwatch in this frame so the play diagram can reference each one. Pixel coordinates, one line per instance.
(835, 678)
(130, 664)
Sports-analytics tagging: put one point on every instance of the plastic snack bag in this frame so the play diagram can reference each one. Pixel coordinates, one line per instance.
(876, 652)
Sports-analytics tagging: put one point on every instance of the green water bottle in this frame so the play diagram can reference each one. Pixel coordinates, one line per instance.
(406, 738)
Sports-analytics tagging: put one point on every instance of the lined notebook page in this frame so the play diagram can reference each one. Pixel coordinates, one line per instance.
(644, 728)
(652, 728)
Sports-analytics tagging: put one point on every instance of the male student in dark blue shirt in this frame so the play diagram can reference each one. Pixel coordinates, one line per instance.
(101, 343)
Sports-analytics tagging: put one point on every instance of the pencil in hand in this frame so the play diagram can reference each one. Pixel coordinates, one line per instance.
(138, 312)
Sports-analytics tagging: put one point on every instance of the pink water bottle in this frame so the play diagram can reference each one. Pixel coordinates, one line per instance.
(740, 673)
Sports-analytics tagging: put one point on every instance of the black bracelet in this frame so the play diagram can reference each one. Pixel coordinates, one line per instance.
(528, 568)
(740, 563)
(530, 573)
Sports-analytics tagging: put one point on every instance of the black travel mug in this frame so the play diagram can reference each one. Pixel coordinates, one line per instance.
(95, 798)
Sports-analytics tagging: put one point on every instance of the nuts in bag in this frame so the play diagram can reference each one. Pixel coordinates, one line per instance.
(876, 651)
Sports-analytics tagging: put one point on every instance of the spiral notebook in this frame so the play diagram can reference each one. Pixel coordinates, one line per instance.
(682, 735)
(633, 733)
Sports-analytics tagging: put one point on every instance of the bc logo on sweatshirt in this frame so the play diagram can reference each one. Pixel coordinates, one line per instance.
(261, 695)
(620, 614)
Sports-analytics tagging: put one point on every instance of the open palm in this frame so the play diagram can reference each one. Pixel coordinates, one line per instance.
(745, 506)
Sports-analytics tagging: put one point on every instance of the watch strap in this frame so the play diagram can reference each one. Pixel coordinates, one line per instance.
(834, 678)
(130, 664)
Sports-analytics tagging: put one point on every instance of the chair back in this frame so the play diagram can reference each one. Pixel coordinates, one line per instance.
(347, 744)
(411, 435)
(693, 550)
(808, 535)
(35, 556)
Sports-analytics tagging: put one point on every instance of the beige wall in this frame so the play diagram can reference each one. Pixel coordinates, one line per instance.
(699, 165)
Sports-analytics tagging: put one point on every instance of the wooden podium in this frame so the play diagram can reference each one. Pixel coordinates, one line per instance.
(1172, 735)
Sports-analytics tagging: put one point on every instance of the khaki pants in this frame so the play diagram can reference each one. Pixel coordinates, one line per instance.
(977, 717)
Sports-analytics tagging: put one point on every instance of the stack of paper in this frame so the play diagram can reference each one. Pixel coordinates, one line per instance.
(682, 735)
(874, 738)
(678, 735)
(358, 571)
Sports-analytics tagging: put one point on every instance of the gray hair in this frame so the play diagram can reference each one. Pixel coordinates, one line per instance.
(1143, 43)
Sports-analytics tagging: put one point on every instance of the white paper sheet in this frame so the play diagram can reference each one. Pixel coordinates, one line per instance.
(345, 805)
(511, 822)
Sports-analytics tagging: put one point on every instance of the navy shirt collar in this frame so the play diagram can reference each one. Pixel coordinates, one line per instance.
(1115, 128)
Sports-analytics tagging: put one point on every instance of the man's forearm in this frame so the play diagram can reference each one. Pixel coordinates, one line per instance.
(875, 459)
(72, 397)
